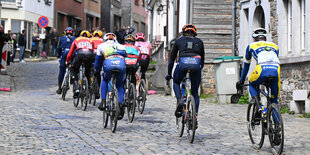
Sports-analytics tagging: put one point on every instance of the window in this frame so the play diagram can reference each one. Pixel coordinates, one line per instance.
(137, 2)
(89, 22)
(48, 2)
(142, 27)
(303, 24)
(15, 26)
(136, 26)
(289, 26)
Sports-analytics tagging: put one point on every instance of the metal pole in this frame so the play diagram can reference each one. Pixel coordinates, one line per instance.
(130, 12)
(233, 27)
(0, 11)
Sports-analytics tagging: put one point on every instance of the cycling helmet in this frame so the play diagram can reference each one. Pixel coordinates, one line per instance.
(189, 28)
(140, 36)
(109, 36)
(85, 33)
(130, 38)
(98, 33)
(69, 30)
(259, 33)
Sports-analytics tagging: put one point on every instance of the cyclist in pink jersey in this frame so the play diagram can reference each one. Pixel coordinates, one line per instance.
(145, 49)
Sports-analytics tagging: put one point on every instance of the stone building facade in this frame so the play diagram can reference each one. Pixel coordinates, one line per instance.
(286, 21)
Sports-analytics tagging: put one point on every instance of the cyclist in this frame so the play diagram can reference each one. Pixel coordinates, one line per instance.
(111, 55)
(83, 52)
(133, 57)
(266, 55)
(145, 49)
(64, 45)
(191, 56)
(96, 40)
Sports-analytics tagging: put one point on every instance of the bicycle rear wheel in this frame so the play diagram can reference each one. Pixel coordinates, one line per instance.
(131, 102)
(84, 94)
(106, 113)
(190, 119)
(255, 126)
(115, 109)
(275, 128)
(92, 91)
(142, 96)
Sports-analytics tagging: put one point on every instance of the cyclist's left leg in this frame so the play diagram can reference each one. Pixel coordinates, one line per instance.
(144, 63)
(62, 70)
(256, 78)
(178, 76)
(75, 68)
(120, 78)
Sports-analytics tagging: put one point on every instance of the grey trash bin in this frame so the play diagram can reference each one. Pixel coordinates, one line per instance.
(227, 73)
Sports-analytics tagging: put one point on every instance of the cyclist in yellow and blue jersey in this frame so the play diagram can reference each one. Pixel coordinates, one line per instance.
(267, 56)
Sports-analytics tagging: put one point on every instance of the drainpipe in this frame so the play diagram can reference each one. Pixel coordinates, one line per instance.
(0, 10)
(130, 12)
(233, 27)
(167, 24)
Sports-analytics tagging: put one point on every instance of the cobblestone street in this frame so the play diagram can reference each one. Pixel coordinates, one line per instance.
(34, 120)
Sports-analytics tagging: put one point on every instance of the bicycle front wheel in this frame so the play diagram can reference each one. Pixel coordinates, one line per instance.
(131, 102)
(255, 126)
(190, 119)
(142, 96)
(275, 128)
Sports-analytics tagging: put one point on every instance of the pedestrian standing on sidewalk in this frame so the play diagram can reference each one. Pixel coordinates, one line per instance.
(44, 45)
(14, 43)
(21, 45)
(35, 45)
(54, 42)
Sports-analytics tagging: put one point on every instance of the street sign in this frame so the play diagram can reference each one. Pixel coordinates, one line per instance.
(43, 21)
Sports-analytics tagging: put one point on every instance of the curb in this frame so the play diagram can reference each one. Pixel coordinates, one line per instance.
(39, 59)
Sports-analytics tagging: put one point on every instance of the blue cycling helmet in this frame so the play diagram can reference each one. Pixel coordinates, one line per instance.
(69, 30)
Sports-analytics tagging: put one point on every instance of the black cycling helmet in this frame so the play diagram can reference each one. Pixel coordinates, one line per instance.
(189, 28)
(259, 33)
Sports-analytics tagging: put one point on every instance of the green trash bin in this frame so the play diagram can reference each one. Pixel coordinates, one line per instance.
(227, 73)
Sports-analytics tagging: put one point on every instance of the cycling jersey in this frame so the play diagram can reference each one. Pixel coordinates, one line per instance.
(133, 55)
(82, 44)
(187, 46)
(96, 41)
(64, 42)
(144, 47)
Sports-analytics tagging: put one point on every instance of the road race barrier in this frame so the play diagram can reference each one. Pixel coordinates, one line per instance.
(4, 57)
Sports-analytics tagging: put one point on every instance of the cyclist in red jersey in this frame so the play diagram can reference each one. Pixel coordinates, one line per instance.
(83, 47)
(96, 40)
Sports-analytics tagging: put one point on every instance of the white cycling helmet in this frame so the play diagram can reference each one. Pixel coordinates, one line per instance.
(259, 33)
(109, 36)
